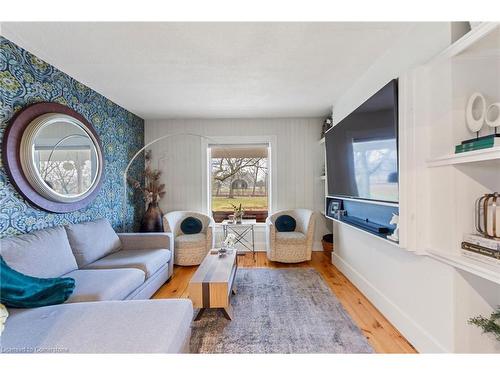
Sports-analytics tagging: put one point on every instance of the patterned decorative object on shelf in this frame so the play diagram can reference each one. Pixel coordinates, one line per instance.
(327, 124)
(24, 80)
(487, 216)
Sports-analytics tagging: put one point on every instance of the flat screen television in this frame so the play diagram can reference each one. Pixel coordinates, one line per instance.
(362, 150)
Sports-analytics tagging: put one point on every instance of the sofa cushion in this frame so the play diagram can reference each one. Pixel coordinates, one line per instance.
(92, 240)
(148, 326)
(45, 253)
(285, 223)
(190, 240)
(291, 237)
(105, 285)
(149, 261)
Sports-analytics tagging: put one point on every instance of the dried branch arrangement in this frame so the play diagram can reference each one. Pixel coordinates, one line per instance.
(152, 191)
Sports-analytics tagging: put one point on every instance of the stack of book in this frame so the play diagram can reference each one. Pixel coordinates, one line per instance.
(481, 248)
(488, 141)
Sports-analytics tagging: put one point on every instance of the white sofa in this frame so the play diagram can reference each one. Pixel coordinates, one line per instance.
(290, 247)
(108, 269)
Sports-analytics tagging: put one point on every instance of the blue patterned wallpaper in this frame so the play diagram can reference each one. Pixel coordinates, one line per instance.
(25, 79)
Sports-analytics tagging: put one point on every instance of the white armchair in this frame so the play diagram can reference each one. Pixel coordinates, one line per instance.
(290, 247)
(190, 249)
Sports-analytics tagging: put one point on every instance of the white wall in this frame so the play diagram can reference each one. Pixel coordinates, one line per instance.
(428, 301)
(298, 164)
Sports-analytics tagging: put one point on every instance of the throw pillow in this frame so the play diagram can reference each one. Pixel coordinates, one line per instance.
(92, 240)
(285, 223)
(41, 253)
(23, 291)
(191, 225)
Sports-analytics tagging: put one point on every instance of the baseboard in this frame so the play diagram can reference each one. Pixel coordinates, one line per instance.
(260, 246)
(422, 340)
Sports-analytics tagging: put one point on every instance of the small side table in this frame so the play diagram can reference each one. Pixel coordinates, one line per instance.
(242, 231)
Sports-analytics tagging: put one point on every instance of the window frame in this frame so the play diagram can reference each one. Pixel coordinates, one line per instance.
(243, 141)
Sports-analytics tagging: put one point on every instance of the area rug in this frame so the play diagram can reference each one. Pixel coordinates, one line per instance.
(279, 311)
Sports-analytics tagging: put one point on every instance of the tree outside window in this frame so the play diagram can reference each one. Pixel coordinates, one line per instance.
(239, 174)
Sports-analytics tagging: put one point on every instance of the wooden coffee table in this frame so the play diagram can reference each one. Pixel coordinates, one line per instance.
(213, 283)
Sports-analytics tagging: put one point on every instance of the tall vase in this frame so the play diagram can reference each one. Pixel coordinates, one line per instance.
(152, 220)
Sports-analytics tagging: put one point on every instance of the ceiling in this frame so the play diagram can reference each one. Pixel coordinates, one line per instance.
(212, 70)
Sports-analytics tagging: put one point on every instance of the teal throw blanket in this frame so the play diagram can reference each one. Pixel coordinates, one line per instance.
(22, 291)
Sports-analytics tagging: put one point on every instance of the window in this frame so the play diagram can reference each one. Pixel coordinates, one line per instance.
(239, 175)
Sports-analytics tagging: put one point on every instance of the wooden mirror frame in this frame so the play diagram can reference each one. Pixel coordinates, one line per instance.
(11, 150)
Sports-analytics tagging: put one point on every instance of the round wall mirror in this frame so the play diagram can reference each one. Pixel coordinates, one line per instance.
(54, 157)
(60, 157)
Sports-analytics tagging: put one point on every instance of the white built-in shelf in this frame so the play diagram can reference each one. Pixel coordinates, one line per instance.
(469, 65)
(485, 270)
(321, 141)
(467, 41)
(486, 154)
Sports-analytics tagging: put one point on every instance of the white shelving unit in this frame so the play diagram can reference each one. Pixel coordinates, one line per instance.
(439, 188)
(448, 184)
(489, 154)
(487, 271)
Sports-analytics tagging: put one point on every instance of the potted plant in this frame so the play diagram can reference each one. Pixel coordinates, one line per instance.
(488, 325)
(152, 192)
(238, 213)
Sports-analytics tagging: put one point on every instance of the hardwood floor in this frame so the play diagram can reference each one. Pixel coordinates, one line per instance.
(381, 334)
